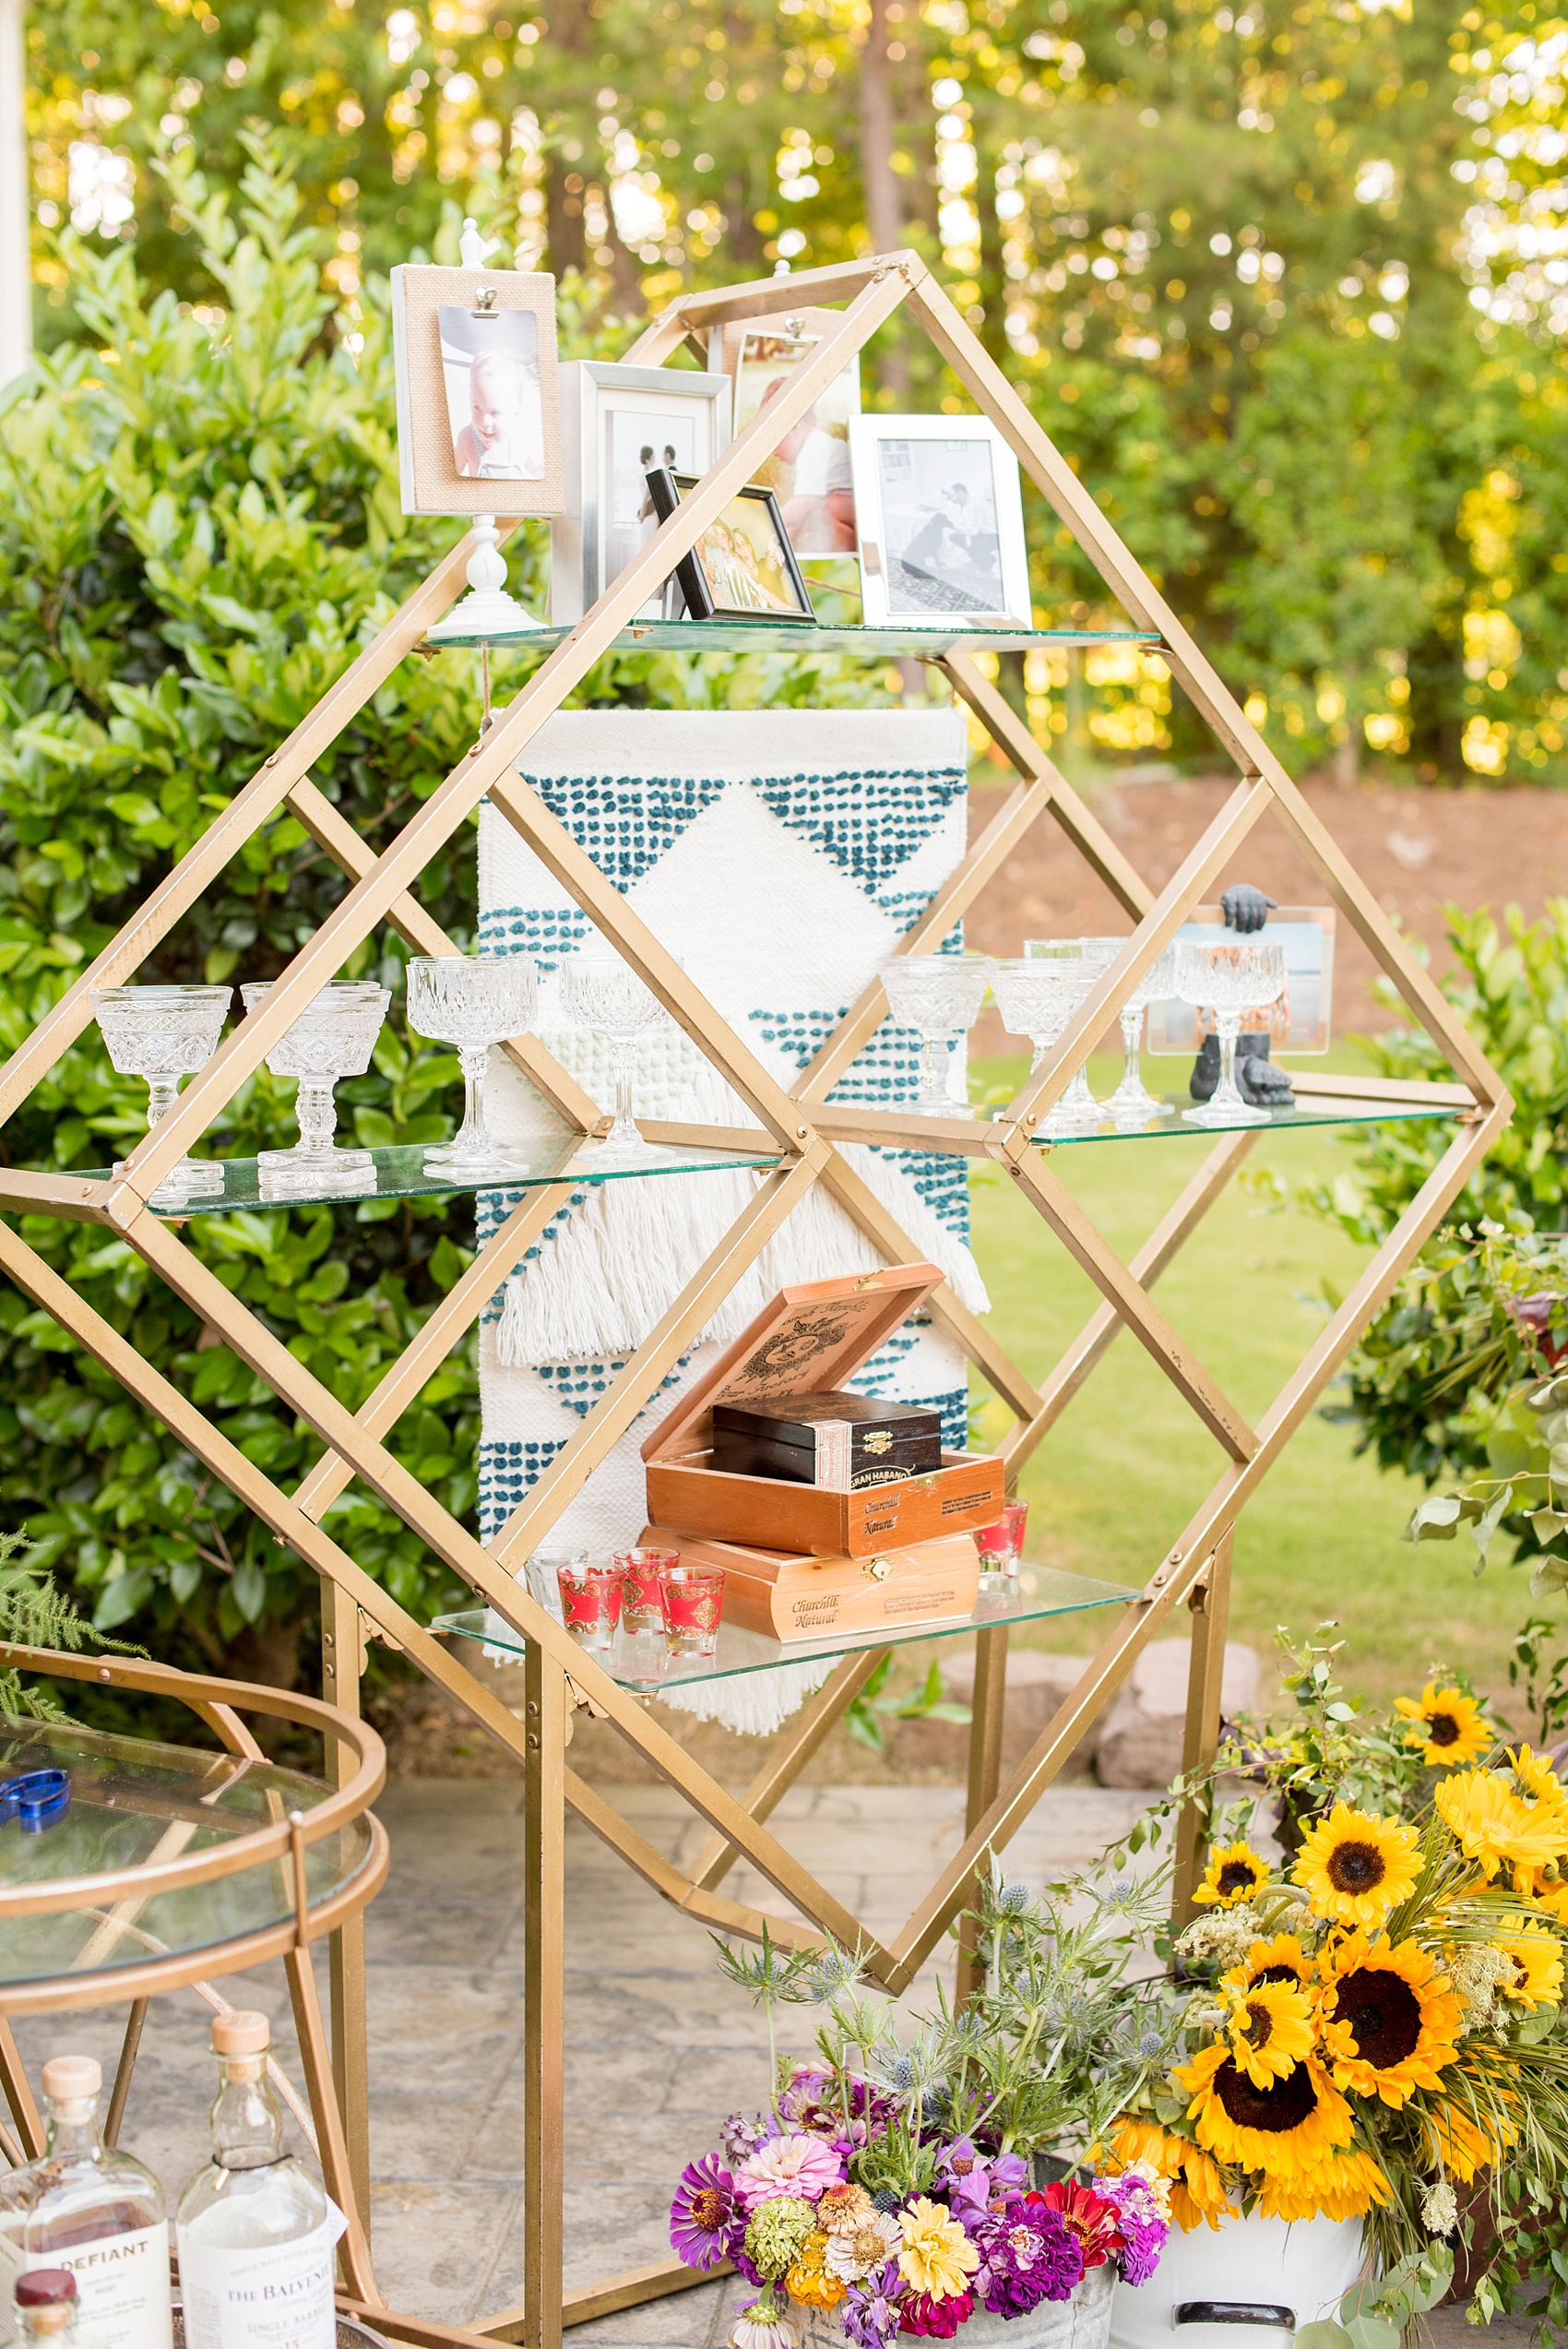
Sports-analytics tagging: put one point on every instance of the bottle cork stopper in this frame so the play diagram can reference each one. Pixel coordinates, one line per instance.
(45, 2287)
(243, 2033)
(69, 2078)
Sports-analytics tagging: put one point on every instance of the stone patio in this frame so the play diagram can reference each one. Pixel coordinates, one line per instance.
(658, 2047)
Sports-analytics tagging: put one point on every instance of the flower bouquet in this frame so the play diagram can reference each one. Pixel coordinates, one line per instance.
(890, 2188)
(1380, 2023)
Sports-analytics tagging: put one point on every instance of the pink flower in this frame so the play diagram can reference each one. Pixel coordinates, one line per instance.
(796, 2164)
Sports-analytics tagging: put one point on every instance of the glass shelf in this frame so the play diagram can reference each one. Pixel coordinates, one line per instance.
(1311, 1109)
(639, 1661)
(762, 635)
(403, 1174)
(132, 1802)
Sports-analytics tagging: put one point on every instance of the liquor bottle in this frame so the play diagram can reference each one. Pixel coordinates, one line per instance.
(255, 2233)
(46, 2308)
(87, 2206)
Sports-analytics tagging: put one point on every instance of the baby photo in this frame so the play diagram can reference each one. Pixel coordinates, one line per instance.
(490, 364)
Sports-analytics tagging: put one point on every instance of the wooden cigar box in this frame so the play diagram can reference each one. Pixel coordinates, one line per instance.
(842, 1442)
(810, 1340)
(786, 1596)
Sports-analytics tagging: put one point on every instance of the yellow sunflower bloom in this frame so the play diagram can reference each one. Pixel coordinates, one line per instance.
(1355, 1868)
(1270, 2029)
(1390, 2018)
(1289, 2126)
(1197, 2189)
(1281, 1960)
(1552, 1898)
(1462, 2145)
(1449, 1727)
(1492, 1824)
(937, 2256)
(1541, 1789)
(1233, 1875)
(810, 2280)
(1536, 1980)
(1347, 2187)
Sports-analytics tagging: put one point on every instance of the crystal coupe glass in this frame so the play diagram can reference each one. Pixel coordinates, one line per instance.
(164, 1033)
(1037, 996)
(334, 1036)
(939, 995)
(472, 1001)
(1090, 959)
(1131, 1103)
(1229, 981)
(601, 992)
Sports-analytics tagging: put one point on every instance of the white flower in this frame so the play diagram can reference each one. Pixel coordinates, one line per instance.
(1440, 2208)
(764, 2325)
(1224, 1935)
(1476, 1971)
(850, 2257)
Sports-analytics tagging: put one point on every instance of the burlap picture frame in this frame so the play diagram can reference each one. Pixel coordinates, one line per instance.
(431, 481)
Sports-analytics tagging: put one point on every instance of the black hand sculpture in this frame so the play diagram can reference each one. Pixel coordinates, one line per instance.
(1245, 907)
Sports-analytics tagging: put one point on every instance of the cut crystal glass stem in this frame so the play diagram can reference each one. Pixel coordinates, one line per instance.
(1131, 1103)
(623, 1134)
(936, 1098)
(315, 1106)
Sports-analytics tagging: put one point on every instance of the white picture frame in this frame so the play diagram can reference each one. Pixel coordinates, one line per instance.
(610, 415)
(945, 491)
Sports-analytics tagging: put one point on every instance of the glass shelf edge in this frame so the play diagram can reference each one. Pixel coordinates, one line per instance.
(687, 636)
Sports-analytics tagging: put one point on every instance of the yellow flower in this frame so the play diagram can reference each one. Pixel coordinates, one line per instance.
(1462, 2145)
(1346, 2187)
(1551, 1897)
(937, 2256)
(810, 2281)
(1270, 2029)
(1492, 1824)
(1281, 1960)
(1541, 1788)
(1537, 1979)
(1233, 1875)
(1390, 2018)
(1197, 2189)
(1288, 2128)
(1355, 1868)
(1449, 1727)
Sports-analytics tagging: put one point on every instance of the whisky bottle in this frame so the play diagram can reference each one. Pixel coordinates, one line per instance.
(89, 2209)
(255, 2233)
(46, 2308)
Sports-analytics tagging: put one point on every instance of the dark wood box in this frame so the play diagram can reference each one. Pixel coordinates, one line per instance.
(811, 1339)
(846, 1443)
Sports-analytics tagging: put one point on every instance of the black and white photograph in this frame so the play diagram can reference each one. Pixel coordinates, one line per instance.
(618, 425)
(942, 536)
(490, 366)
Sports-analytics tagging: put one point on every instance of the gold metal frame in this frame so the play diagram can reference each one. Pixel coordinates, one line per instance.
(805, 1130)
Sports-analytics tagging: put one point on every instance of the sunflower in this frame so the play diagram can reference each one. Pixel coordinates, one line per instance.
(1461, 2145)
(1449, 1727)
(1233, 1875)
(1543, 1791)
(1355, 1868)
(1270, 2029)
(1492, 1824)
(1197, 2189)
(1281, 1960)
(1290, 2125)
(1347, 2187)
(1536, 1980)
(1390, 2018)
(1552, 1898)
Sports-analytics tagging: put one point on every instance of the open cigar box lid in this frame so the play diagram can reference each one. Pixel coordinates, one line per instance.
(809, 1339)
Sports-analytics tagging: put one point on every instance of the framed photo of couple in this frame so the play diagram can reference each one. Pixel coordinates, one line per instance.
(619, 424)
(742, 567)
(478, 418)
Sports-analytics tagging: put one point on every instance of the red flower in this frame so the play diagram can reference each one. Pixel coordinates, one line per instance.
(934, 2320)
(1090, 2217)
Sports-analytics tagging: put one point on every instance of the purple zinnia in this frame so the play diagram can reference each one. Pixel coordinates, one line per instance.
(742, 2133)
(869, 2313)
(1143, 2229)
(1027, 2255)
(970, 2180)
(704, 2214)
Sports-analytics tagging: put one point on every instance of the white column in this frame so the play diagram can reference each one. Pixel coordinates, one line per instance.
(15, 266)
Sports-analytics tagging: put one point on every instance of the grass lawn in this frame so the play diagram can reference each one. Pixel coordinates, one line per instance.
(1115, 1480)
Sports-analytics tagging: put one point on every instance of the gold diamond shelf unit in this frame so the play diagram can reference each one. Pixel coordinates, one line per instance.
(796, 1137)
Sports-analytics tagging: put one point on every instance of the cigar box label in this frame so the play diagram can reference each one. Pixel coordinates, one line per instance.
(865, 1478)
(915, 1603)
(960, 1502)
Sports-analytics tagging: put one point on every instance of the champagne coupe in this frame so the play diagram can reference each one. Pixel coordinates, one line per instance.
(601, 993)
(162, 1034)
(1037, 996)
(334, 1036)
(1090, 959)
(1131, 1103)
(939, 995)
(472, 1001)
(1231, 980)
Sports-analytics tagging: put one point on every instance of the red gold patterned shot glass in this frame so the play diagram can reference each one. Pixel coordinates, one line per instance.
(1001, 1545)
(642, 1609)
(590, 1604)
(692, 1600)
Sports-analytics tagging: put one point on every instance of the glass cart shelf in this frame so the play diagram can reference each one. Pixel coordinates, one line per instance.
(1311, 1109)
(134, 1803)
(746, 636)
(403, 1174)
(639, 1661)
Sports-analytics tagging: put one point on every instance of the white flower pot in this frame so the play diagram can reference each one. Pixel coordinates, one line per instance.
(1081, 2322)
(1285, 2273)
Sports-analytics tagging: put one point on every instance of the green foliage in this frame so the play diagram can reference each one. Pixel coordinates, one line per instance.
(34, 1612)
(199, 528)
(864, 1716)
